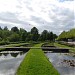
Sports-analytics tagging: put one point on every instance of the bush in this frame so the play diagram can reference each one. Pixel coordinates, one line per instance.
(4, 43)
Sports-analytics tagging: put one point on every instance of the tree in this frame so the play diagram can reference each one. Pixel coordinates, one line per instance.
(64, 36)
(5, 28)
(14, 37)
(29, 37)
(51, 36)
(54, 36)
(0, 28)
(1, 35)
(15, 29)
(35, 34)
(6, 34)
(23, 34)
(0, 39)
(71, 33)
(44, 35)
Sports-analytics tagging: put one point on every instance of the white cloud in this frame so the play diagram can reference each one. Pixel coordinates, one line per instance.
(52, 15)
(8, 5)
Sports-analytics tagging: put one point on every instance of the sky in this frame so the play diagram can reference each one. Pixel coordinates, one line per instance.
(51, 15)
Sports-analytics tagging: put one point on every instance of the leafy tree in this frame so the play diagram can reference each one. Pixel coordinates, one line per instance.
(14, 37)
(67, 35)
(6, 34)
(44, 35)
(63, 36)
(35, 34)
(0, 28)
(5, 28)
(54, 36)
(51, 36)
(0, 39)
(23, 34)
(71, 34)
(29, 37)
(15, 29)
(1, 35)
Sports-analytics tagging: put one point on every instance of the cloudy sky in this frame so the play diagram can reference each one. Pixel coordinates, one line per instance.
(52, 15)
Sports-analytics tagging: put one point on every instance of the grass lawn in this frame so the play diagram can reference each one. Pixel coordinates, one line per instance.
(36, 63)
(17, 45)
(14, 45)
(2, 49)
(64, 46)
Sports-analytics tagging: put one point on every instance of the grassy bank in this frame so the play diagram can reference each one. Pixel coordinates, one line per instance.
(17, 45)
(64, 46)
(36, 63)
(2, 49)
(48, 44)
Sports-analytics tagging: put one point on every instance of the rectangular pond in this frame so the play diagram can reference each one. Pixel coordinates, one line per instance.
(64, 63)
(10, 61)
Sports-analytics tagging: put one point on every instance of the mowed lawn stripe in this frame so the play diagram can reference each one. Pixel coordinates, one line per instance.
(36, 63)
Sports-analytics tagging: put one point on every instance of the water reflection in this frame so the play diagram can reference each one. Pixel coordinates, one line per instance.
(65, 64)
(0, 54)
(10, 61)
(12, 53)
(5, 54)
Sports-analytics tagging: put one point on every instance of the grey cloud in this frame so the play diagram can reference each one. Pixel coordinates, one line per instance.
(63, 18)
(11, 25)
(38, 20)
(43, 25)
(12, 20)
(3, 25)
(64, 0)
(27, 28)
(62, 11)
(11, 17)
(30, 8)
(41, 22)
(27, 3)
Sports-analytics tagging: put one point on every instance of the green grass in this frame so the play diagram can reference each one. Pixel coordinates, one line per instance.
(36, 63)
(2, 49)
(46, 44)
(51, 44)
(64, 46)
(17, 45)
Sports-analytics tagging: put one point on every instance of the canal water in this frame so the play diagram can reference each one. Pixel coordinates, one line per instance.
(64, 63)
(10, 61)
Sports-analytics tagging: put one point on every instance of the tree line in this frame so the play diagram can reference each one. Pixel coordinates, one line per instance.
(65, 35)
(16, 35)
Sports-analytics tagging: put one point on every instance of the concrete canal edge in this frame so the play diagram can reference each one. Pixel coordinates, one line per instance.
(36, 63)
